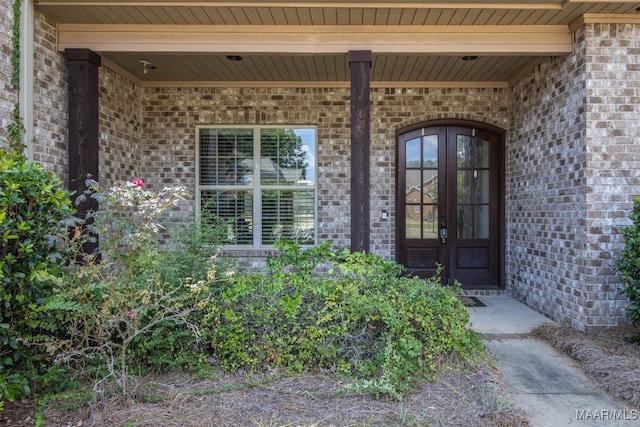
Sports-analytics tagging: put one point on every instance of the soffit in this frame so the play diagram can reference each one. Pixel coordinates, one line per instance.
(447, 12)
(311, 64)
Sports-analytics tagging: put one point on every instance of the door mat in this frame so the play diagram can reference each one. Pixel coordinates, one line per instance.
(470, 301)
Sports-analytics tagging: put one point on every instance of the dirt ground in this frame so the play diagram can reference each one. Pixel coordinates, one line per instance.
(466, 396)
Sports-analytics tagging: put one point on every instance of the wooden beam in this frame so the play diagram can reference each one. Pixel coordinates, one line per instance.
(360, 65)
(455, 40)
(83, 147)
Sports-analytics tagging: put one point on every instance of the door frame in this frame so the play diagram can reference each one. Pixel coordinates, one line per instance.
(471, 124)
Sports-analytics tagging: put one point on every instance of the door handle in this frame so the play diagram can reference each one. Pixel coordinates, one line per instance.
(443, 233)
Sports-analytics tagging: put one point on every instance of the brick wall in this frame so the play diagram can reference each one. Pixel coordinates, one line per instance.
(7, 95)
(170, 116)
(612, 58)
(119, 115)
(50, 98)
(571, 156)
(571, 175)
(545, 186)
(49, 92)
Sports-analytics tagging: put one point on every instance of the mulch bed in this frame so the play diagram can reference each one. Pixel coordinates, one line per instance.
(466, 396)
(469, 396)
(605, 355)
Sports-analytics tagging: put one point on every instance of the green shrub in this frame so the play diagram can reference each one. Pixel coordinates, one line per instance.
(629, 268)
(112, 307)
(357, 316)
(35, 212)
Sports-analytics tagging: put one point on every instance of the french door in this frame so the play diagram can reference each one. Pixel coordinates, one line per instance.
(449, 209)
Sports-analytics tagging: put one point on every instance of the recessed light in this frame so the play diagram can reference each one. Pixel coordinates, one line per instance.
(234, 57)
(469, 58)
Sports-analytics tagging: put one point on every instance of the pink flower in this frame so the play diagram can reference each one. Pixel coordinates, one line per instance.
(137, 182)
(131, 314)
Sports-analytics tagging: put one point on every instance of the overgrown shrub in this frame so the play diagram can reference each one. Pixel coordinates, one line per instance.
(111, 305)
(629, 268)
(194, 258)
(35, 212)
(360, 317)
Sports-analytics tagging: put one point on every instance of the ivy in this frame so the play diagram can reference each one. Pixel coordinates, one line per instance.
(15, 45)
(15, 130)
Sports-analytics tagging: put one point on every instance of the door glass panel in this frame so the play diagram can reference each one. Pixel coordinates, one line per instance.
(430, 151)
(413, 155)
(430, 186)
(473, 186)
(482, 222)
(473, 222)
(465, 222)
(430, 222)
(472, 152)
(414, 187)
(412, 221)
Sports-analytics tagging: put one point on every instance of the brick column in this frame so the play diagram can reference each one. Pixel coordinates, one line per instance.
(360, 64)
(83, 123)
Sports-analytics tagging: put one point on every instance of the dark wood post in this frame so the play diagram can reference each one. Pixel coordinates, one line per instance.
(360, 64)
(83, 147)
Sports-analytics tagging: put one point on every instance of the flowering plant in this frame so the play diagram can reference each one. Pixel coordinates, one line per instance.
(111, 302)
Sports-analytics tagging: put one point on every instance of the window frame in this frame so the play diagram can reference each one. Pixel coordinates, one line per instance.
(257, 187)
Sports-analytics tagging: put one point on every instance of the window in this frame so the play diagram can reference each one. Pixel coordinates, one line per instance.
(259, 183)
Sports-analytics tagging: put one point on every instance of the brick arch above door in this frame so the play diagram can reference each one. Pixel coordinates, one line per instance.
(425, 120)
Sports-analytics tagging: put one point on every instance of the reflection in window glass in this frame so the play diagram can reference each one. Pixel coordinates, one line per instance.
(232, 214)
(412, 222)
(224, 154)
(482, 222)
(284, 157)
(288, 214)
(472, 152)
(430, 151)
(412, 153)
(473, 186)
(430, 222)
(473, 222)
(465, 222)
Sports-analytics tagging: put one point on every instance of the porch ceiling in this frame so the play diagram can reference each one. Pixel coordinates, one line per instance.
(305, 42)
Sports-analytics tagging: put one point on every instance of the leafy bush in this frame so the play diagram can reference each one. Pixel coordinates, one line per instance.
(35, 212)
(629, 268)
(359, 317)
(110, 305)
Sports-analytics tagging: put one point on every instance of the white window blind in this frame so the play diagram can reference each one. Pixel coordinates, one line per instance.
(258, 183)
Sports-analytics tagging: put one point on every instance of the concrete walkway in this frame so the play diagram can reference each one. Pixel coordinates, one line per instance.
(543, 381)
